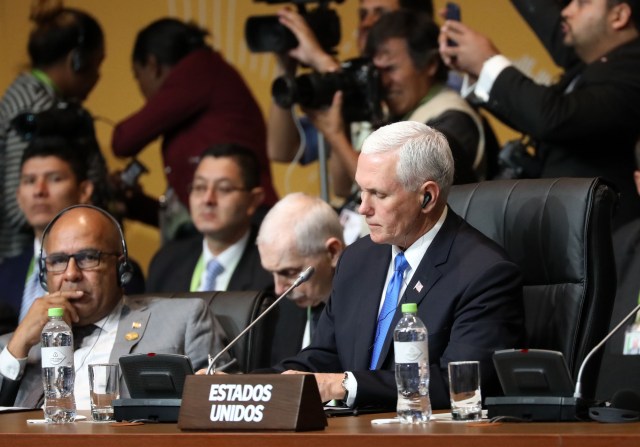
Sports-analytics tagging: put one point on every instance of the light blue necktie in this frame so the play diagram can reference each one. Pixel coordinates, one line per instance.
(32, 291)
(214, 268)
(388, 308)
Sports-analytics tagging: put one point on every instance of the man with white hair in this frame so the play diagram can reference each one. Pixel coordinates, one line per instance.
(298, 232)
(469, 294)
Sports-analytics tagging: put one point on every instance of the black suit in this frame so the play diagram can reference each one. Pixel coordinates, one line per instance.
(172, 267)
(290, 327)
(618, 371)
(591, 131)
(470, 301)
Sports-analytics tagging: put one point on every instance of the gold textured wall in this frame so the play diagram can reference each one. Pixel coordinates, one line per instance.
(117, 95)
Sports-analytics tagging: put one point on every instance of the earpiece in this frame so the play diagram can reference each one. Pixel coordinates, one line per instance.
(426, 199)
(124, 269)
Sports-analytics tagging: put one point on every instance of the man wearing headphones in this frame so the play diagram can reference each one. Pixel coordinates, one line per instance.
(469, 294)
(84, 265)
(53, 176)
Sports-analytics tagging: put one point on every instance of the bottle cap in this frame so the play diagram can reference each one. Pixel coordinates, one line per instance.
(56, 311)
(409, 308)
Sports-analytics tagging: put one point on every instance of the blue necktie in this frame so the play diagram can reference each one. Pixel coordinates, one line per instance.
(389, 307)
(214, 268)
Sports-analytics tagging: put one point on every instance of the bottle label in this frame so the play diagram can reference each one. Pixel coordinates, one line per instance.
(411, 352)
(57, 356)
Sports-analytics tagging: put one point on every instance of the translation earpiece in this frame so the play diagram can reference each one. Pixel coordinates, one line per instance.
(426, 199)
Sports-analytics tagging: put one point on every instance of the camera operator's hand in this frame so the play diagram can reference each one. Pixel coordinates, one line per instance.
(328, 120)
(472, 49)
(308, 51)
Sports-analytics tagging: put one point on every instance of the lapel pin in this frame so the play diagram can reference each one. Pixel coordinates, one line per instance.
(418, 287)
(130, 336)
(136, 325)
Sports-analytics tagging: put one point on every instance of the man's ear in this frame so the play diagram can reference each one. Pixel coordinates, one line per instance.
(636, 178)
(257, 198)
(620, 16)
(86, 190)
(334, 247)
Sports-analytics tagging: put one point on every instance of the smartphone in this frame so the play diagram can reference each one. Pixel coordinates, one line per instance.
(132, 172)
(452, 13)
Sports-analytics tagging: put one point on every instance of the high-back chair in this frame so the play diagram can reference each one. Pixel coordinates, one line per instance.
(559, 232)
(235, 310)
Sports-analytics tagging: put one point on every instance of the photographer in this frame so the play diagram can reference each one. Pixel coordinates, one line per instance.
(282, 128)
(586, 124)
(403, 47)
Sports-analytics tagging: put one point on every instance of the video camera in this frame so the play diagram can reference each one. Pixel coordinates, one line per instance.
(64, 119)
(267, 34)
(358, 79)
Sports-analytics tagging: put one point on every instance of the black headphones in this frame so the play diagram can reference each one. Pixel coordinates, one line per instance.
(426, 199)
(125, 271)
(77, 56)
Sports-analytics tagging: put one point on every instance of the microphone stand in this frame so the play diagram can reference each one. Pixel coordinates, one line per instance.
(578, 390)
(304, 276)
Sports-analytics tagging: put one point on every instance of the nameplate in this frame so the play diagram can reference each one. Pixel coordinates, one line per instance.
(251, 402)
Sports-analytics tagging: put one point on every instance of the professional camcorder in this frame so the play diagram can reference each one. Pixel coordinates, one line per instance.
(267, 34)
(64, 119)
(358, 79)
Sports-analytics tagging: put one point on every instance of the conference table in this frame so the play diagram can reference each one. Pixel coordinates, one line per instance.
(344, 430)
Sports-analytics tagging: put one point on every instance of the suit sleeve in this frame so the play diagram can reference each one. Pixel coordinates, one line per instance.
(487, 317)
(610, 100)
(204, 336)
(180, 98)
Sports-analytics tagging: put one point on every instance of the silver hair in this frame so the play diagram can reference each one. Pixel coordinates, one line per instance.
(423, 154)
(311, 220)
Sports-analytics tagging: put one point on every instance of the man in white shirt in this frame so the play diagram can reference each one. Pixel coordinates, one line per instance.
(586, 124)
(298, 232)
(84, 270)
(223, 199)
(468, 293)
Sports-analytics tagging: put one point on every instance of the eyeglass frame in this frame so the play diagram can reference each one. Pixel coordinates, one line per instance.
(89, 251)
(219, 187)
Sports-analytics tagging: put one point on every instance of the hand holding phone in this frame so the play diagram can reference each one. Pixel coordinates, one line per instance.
(452, 13)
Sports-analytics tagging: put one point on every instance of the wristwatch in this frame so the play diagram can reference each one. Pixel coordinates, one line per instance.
(345, 379)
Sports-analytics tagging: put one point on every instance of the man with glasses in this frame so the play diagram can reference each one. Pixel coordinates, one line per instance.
(86, 266)
(53, 176)
(223, 198)
(298, 232)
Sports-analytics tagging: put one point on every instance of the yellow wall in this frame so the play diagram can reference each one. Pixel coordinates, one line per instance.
(117, 95)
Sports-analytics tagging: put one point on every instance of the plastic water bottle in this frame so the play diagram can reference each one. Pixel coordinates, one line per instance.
(410, 343)
(58, 374)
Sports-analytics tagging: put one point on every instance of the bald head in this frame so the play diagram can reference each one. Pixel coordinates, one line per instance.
(82, 233)
(298, 232)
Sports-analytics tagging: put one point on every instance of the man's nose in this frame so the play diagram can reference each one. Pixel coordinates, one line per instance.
(72, 273)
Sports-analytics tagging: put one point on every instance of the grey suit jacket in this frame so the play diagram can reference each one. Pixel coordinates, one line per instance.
(167, 326)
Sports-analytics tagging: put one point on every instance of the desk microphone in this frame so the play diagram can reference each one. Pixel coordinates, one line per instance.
(578, 391)
(303, 277)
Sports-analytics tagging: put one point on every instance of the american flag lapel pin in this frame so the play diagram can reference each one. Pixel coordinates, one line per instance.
(418, 287)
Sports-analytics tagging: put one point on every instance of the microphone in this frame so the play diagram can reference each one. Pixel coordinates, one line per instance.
(303, 277)
(578, 391)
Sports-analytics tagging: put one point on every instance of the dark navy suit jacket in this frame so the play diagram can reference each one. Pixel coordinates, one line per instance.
(470, 301)
(13, 274)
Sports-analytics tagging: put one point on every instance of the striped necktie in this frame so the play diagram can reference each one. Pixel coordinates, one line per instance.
(388, 307)
(214, 268)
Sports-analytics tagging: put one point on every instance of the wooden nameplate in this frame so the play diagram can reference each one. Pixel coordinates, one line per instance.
(251, 402)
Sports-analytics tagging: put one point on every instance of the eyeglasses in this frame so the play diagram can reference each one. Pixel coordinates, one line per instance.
(221, 189)
(85, 259)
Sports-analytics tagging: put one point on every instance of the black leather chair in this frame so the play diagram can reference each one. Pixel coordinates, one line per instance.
(559, 232)
(235, 310)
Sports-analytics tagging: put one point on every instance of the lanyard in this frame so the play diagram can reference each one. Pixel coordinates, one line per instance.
(197, 274)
